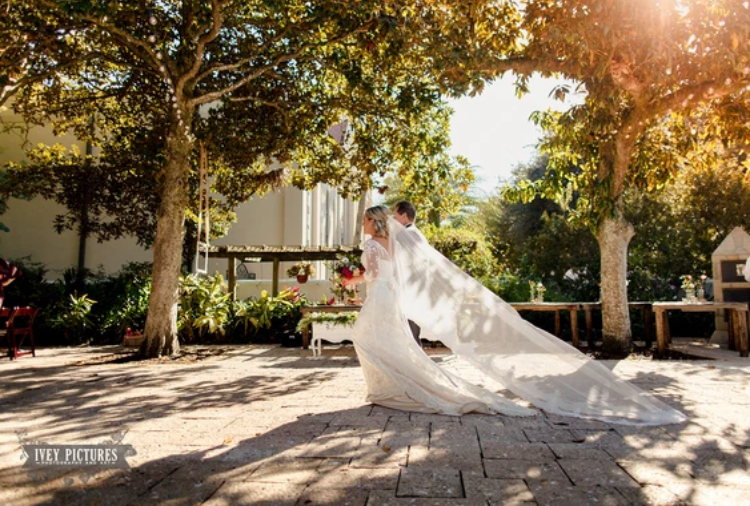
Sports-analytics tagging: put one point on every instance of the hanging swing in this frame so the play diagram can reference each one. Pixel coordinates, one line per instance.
(204, 229)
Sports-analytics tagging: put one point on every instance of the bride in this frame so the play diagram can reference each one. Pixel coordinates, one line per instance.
(407, 277)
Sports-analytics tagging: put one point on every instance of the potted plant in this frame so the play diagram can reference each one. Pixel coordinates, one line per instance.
(301, 270)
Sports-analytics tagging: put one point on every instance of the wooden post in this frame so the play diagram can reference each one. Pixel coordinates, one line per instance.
(589, 326)
(743, 333)
(306, 331)
(662, 341)
(731, 329)
(574, 327)
(557, 323)
(232, 277)
(647, 325)
(306, 337)
(275, 285)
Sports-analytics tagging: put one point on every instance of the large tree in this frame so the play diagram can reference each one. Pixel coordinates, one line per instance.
(168, 59)
(639, 63)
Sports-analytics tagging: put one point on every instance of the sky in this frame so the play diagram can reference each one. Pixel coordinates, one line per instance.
(494, 132)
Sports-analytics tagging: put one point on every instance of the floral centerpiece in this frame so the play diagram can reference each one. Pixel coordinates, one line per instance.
(694, 288)
(701, 286)
(346, 266)
(536, 291)
(301, 270)
(689, 285)
(540, 289)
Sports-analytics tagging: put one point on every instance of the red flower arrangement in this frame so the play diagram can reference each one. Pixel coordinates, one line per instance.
(345, 267)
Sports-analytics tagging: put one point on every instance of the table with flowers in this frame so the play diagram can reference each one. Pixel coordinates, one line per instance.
(339, 308)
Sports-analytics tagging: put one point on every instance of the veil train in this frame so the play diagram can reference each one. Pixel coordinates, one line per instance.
(482, 329)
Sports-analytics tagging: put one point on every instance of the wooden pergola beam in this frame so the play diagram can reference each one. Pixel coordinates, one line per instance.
(275, 254)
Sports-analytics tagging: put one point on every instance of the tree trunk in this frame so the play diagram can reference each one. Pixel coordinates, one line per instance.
(364, 203)
(161, 323)
(614, 236)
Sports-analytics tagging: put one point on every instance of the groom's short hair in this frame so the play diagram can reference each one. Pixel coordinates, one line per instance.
(407, 208)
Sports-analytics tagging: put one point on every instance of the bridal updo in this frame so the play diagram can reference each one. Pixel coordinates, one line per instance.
(379, 217)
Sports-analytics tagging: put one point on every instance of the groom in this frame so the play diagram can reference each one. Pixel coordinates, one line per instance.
(405, 213)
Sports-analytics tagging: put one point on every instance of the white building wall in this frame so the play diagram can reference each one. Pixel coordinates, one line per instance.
(31, 222)
(285, 217)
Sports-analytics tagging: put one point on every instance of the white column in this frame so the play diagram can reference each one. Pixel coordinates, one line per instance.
(328, 207)
(315, 226)
(293, 217)
(316, 217)
(336, 228)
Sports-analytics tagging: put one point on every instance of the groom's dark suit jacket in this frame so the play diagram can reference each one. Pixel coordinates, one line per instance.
(415, 329)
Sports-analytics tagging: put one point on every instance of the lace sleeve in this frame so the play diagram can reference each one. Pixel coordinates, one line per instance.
(371, 256)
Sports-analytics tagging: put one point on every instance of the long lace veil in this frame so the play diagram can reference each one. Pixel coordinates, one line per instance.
(482, 329)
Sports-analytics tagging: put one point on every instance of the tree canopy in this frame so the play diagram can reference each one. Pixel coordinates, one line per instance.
(383, 66)
(164, 63)
(642, 65)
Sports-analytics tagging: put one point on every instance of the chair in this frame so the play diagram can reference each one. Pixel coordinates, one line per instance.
(243, 273)
(5, 313)
(18, 328)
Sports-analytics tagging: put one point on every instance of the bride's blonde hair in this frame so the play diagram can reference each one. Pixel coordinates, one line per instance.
(379, 217)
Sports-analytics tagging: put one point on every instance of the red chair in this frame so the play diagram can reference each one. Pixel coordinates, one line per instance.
(5, 313)
(19, 328)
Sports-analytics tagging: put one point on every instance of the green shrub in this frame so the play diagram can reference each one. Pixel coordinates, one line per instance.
(270, 319)
(468, 250)
(204, 310)
(129, 305)
(645, 285)
(121, 302)
(509, 287)
(74, 319)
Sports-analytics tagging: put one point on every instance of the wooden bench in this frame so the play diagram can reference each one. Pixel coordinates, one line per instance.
(556, 307)
(737, 315)
(645, 307)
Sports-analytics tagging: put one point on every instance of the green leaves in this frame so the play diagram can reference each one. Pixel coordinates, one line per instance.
(264, 312)
(205, 307)
(643, 67)
(74, 318)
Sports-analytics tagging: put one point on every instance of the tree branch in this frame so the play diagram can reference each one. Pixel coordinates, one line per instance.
(623, 77)
(206, 38)
(234, 66)
(129, 41)
(526, 66)
(9, 90)
(698, 93)
(210, 97)
(215, 95)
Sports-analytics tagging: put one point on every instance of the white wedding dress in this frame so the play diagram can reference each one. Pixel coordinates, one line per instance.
(398, 373)
(411, 279)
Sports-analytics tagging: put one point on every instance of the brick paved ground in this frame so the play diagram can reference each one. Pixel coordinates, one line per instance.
(273, 426)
